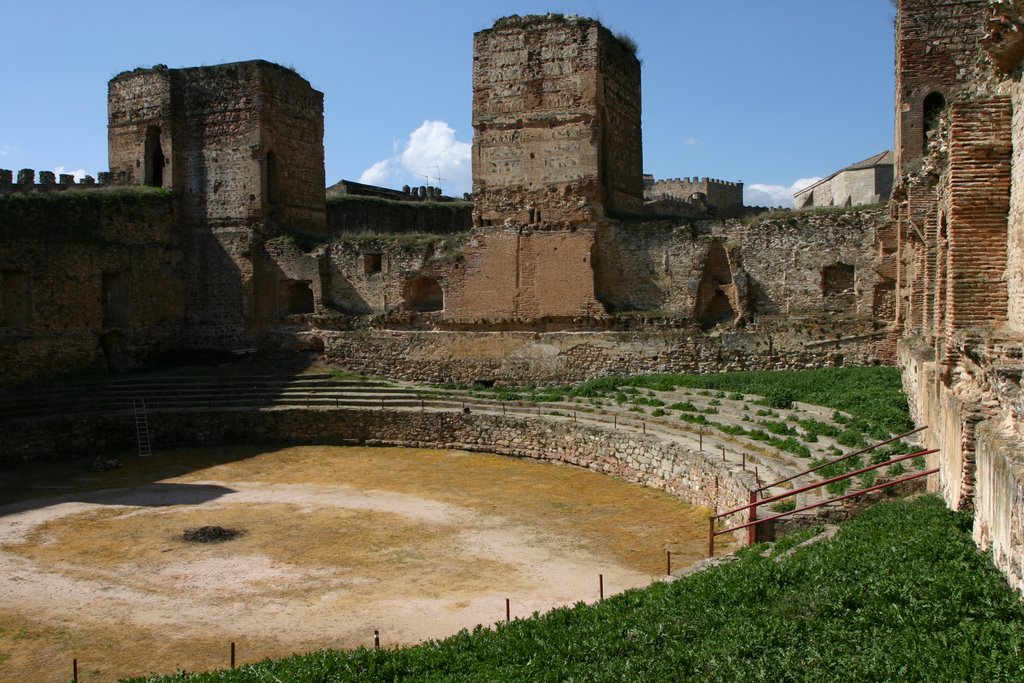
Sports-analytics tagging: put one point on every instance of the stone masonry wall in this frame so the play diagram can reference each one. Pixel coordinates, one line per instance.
(353, 214)
(978, 204)
(1015, 227)
(88, 281)
(522, 274)
(645, 459)
(780, 261)
(556, 121)
(534, 357)
(725, 196)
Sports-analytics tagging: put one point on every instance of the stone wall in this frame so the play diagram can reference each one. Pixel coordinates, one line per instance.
(535, 357)
(726, 197)
(355, 214)
(88, 281)
(241, 142)
(644, 459)
(556, 122)
(936, 45)
(48, 181)
(777, 263)
(523, 274)
(956, 207)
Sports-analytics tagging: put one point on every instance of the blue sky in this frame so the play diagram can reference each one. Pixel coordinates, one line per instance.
(769, 92)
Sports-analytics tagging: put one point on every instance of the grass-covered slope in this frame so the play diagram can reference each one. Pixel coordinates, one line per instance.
(899, 594)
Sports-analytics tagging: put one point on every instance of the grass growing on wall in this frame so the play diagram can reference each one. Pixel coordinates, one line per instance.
(362, 200)
(899, 594)
(873, 396)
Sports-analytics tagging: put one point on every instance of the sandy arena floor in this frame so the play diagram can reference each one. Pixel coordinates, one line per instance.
(336, 542)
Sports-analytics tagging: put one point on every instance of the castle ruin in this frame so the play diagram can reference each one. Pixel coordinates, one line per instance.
(559, 275)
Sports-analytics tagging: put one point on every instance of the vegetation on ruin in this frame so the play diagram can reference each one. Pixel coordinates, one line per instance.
(797, 215)
(72, 209)
(446, 246)
(454, 206)
(869, 401)
(107, 195)
(900, 593)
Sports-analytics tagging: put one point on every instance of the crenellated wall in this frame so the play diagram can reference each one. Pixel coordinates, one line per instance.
(725, 197)
(25, 183)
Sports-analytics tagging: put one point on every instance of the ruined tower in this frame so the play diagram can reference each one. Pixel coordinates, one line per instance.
(936, 45)
(241, 146)
(240, 143)
(556, 122)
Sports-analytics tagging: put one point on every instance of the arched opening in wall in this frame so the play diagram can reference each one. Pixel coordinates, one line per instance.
(273, 179)
(154, 160)
(934, 104)
(837, 287)
(713, 303)
(424, 295)
(297, 297)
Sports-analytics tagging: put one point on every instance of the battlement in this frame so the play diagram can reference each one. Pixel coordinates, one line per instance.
(705, 181)
(726, 197)
(48, 181)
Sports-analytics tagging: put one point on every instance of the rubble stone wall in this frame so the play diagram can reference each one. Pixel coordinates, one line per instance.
(644, 459)
(58, 252)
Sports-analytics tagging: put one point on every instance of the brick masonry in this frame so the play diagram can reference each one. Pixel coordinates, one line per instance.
(957, 209)
(556, 122)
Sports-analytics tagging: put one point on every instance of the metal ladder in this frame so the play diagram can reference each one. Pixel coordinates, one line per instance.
(142, 427)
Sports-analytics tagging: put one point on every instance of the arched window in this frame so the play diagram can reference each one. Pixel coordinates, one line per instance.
(934, 105)
(155, 161)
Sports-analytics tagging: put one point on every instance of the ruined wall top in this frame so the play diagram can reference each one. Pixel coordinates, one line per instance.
(936, 50)
(242, 142)
(556, 122)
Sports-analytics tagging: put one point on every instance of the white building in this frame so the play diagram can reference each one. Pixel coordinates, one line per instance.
(866, 182)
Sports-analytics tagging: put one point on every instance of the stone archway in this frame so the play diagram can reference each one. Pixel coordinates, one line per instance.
(716, 293)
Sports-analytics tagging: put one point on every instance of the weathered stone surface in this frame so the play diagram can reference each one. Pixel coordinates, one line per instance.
(556, 121)
(645, 459)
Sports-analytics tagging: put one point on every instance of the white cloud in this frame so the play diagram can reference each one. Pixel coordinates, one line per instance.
(760, 194)
(431, 150)
(691, 140)
(378, 174)
(79, 174)
(5, 150)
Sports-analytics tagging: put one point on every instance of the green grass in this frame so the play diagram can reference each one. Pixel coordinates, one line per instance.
(873, 395)
(899, 594)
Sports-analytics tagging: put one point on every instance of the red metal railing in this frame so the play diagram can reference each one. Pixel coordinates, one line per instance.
(754, 501)
(841, 459)
(753, 523)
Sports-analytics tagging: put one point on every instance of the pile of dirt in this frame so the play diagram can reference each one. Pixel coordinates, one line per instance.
(210, 534)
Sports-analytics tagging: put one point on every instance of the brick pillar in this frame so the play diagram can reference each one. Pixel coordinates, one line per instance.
(980, 152)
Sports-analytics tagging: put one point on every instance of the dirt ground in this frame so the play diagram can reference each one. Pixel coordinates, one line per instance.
(335, 542)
